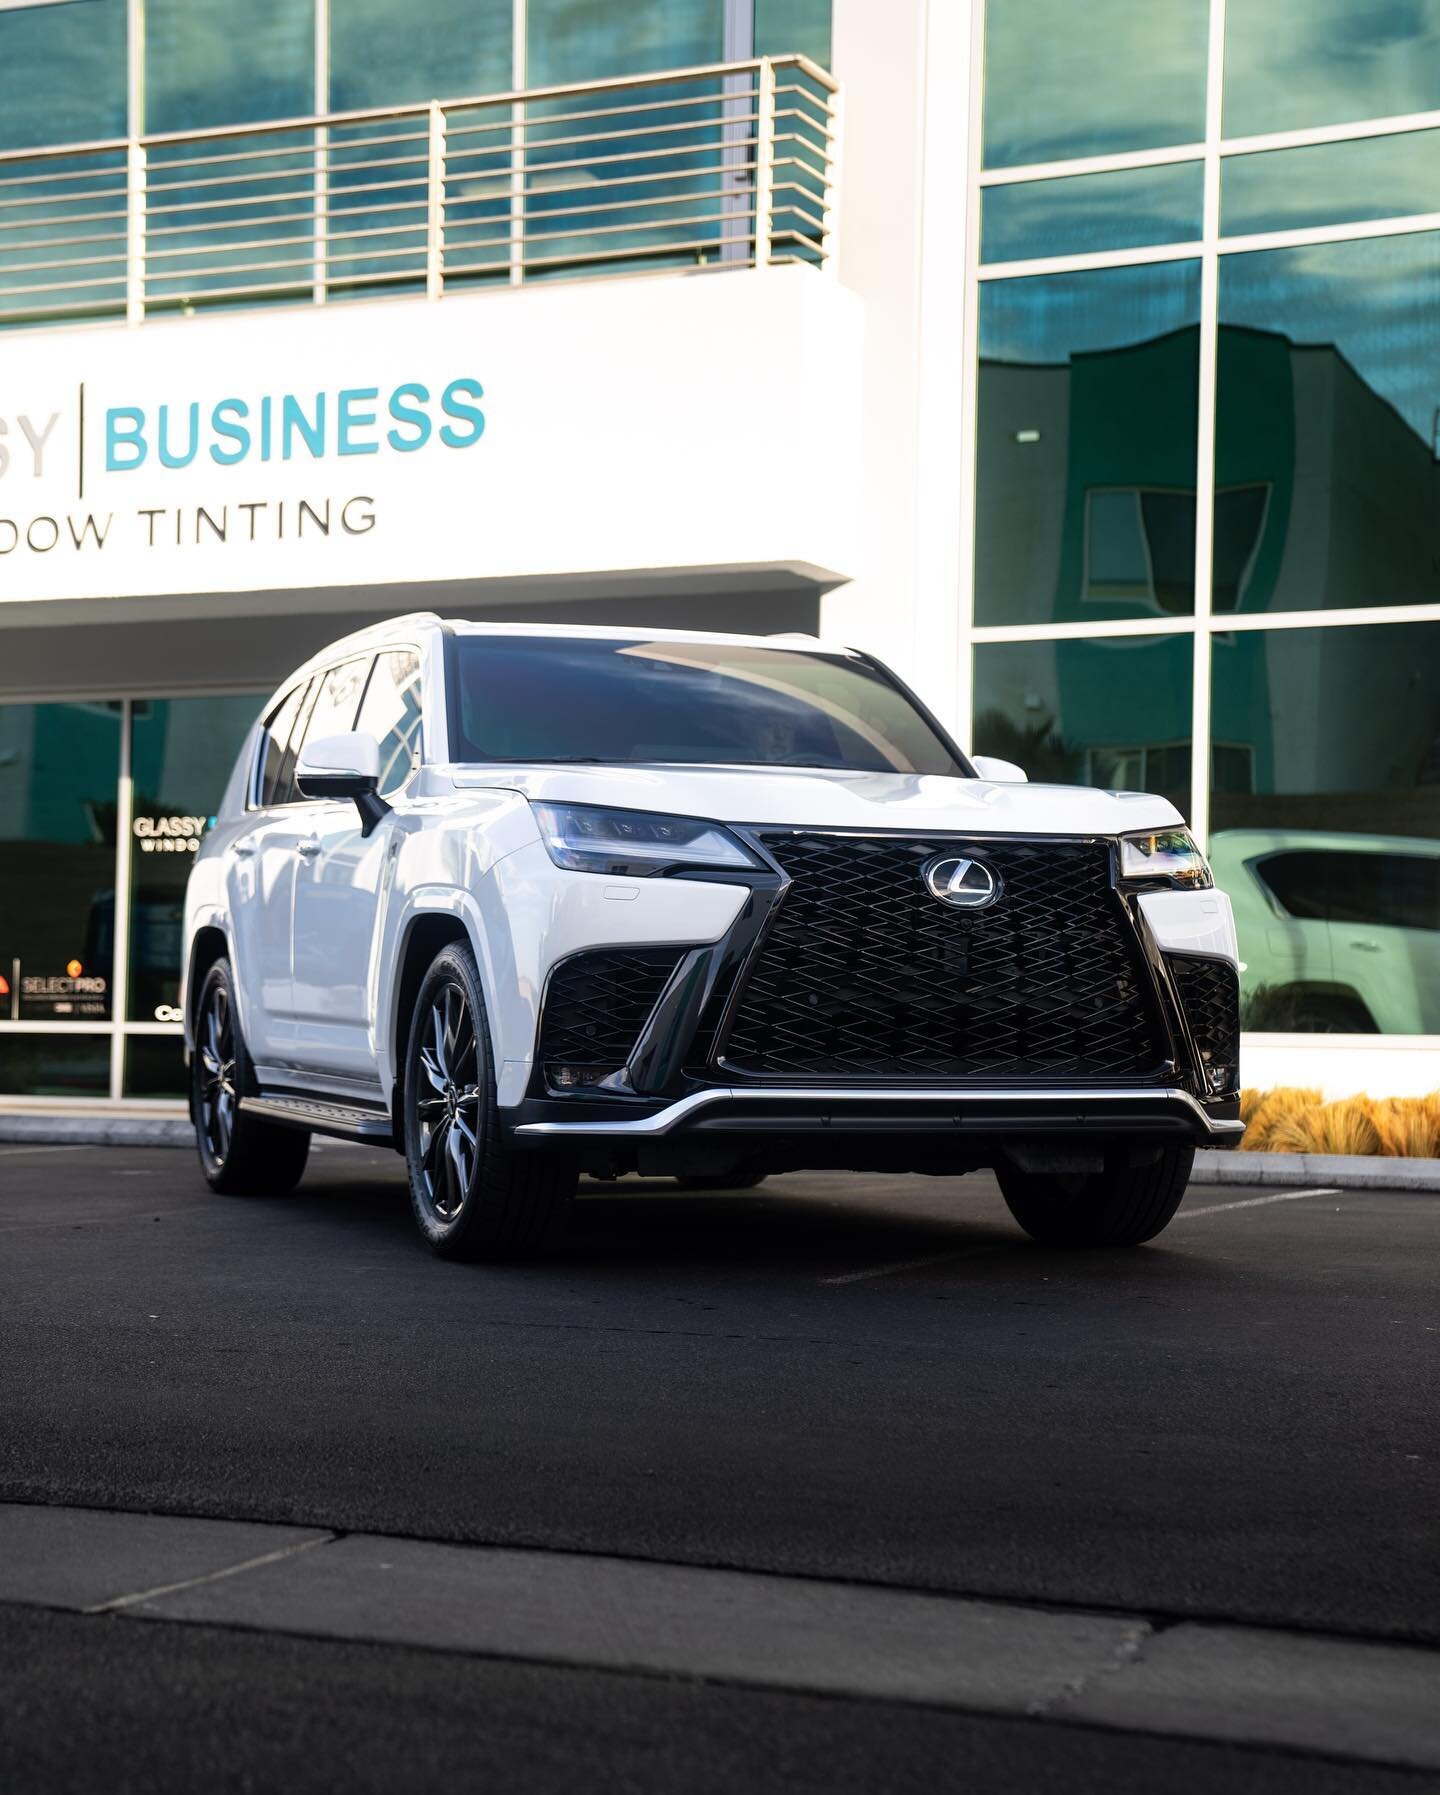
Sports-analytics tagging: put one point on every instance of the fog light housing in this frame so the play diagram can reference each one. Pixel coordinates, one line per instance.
(578, 1078)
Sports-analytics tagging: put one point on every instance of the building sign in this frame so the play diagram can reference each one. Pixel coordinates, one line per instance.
(565, 430)
(170, 834)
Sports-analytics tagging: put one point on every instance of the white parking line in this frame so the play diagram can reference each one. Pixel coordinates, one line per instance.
(1280, 1196)
(885, 1271)
(44, 1147)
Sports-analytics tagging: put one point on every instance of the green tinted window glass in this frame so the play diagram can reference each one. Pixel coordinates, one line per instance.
(784, 27)
(588, 40)
(1326, 426)
(1086, 481)
(1292, 63)
(386, 55)
(1112, 712)
(1331, 183)
(182, 754)
(62, 74)
(61, 767)
(1084, 212)
(1067, 80)
(69, 1065)
(1325, 824)
(207, 64)
(155, 1066)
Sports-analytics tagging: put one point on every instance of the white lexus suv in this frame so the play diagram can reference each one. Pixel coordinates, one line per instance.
(528, 902)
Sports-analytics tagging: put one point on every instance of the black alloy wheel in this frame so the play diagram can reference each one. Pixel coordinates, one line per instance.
(240, 1154)
(448, 1107)
(474, 1195)
(215, 1077)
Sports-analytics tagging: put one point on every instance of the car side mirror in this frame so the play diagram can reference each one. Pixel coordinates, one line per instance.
(1002, 772)
(344, 766)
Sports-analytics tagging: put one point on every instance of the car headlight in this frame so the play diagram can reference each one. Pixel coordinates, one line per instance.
(583, 838)
(1165, 857)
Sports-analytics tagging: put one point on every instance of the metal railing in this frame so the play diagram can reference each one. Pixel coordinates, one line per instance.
(729, 164)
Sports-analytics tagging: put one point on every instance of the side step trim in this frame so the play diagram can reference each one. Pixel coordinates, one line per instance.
(322, 1115)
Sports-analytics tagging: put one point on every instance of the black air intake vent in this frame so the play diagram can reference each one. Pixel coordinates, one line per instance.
(1210, 996)
(596, 1005)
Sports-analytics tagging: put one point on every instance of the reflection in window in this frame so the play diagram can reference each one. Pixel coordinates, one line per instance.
(1113, 712)
(788, 27)
(382, 54)
(62, 74)
(1088, 383)
(1080, 213)
(1331, 183)
(1332, 856)
(182, 754)
(59, 767)
(1328, 387)
(204, 66)
(1051, 83)
(588, 40)
(1290, 63)
(391, 713)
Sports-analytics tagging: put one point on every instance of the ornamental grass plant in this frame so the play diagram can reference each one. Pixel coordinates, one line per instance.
(1290, 1119)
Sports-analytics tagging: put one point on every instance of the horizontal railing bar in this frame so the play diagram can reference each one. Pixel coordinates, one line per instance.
(40, 224)
(200, 249)
(120, 170)
(101, 307)
(307, 194)
(68, 199)
(719, 99)
(307, 132)
(612, 230)
(652, 179)
(320, 167)
(618, 205)
(65, 286)
(62, 242)
(65, 262)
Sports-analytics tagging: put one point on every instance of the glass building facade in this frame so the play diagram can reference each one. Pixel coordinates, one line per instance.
(1207, 459)
(1200, 442)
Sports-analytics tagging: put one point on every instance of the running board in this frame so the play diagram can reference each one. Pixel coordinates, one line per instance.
(322, 1115)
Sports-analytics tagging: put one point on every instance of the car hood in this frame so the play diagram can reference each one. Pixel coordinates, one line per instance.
(835, 799)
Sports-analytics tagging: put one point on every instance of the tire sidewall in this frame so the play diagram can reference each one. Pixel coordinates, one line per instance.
(219, 976)
(453, 965)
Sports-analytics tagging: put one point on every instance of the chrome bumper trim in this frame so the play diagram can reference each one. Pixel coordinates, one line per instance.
(670, 1117)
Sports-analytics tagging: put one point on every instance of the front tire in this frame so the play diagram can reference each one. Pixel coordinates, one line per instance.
(473, 1197)
(240, 1155)
(1123, 1206)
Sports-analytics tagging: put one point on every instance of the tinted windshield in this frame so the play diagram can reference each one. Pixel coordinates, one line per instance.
(568, 699)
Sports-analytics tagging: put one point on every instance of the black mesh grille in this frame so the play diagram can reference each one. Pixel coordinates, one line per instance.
(597, 1004)
(1210, 996)
(866, 975)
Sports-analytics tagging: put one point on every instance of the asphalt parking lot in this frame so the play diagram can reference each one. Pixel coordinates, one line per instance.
(864, 1384)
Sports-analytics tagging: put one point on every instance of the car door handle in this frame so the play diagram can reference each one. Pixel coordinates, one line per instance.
(308, 849)
(1366, 947)
(243, 849)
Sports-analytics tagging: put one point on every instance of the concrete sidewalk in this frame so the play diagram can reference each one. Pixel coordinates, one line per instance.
(1360, 1701)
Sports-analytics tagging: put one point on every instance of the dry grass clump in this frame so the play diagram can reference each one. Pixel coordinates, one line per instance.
(1291, 1120)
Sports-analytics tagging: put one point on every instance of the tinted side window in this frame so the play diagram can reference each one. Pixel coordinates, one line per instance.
(333, 712)
(279, 728)
(1394, 891)
(391, 713)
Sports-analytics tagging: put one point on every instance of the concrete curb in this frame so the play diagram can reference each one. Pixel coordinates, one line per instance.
(1345, 1171)
(96, 1131)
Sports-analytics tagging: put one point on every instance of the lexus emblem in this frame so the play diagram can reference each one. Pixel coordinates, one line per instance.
(967, 884)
